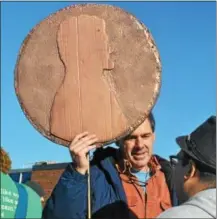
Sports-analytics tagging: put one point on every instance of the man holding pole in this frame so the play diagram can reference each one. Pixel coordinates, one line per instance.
(129, 182)
(104, 77)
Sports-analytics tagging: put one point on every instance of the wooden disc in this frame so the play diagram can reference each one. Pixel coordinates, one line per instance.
(88, 68)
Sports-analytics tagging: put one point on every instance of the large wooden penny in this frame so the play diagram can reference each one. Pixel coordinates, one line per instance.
(88, 68)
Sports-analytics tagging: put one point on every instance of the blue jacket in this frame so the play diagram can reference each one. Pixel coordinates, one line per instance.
(69, 198)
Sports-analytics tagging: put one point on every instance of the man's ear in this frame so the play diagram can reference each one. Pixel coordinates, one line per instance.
(191, 172)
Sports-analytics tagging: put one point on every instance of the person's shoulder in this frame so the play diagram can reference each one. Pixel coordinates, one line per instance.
(8, 183)
(186, 210)
(30, 191)
(175, 212)
(34, 209)
(4, 177)
(166, 167)
(33, 197)
(167, 170)
(161, 160)
(104, 153)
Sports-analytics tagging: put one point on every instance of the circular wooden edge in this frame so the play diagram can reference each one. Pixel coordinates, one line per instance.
(139, 121)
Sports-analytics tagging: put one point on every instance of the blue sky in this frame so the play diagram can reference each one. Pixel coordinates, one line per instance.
(185, 34)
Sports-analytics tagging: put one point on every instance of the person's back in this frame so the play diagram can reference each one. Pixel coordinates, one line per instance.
(202, 205)
(34, 205)
(9, 196)
(195, 173)
(17, 199)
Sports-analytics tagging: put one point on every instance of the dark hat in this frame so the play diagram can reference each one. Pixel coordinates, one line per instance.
(201, 143)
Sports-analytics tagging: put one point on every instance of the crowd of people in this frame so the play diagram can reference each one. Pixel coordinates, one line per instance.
(126, 182)
(132, 182)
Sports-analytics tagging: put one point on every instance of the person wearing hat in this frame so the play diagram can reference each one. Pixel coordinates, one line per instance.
(195, 173)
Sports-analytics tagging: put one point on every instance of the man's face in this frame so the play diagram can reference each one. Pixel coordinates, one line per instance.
(180, 169)
(138, 146)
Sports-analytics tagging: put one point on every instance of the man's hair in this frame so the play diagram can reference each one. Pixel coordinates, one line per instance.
(5, 161)
(206, 175)
(152, 121)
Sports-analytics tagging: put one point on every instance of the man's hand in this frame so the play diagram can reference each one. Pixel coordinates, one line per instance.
(79, 148)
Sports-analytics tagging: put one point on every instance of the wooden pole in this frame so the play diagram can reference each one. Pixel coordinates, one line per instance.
(89, 188)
